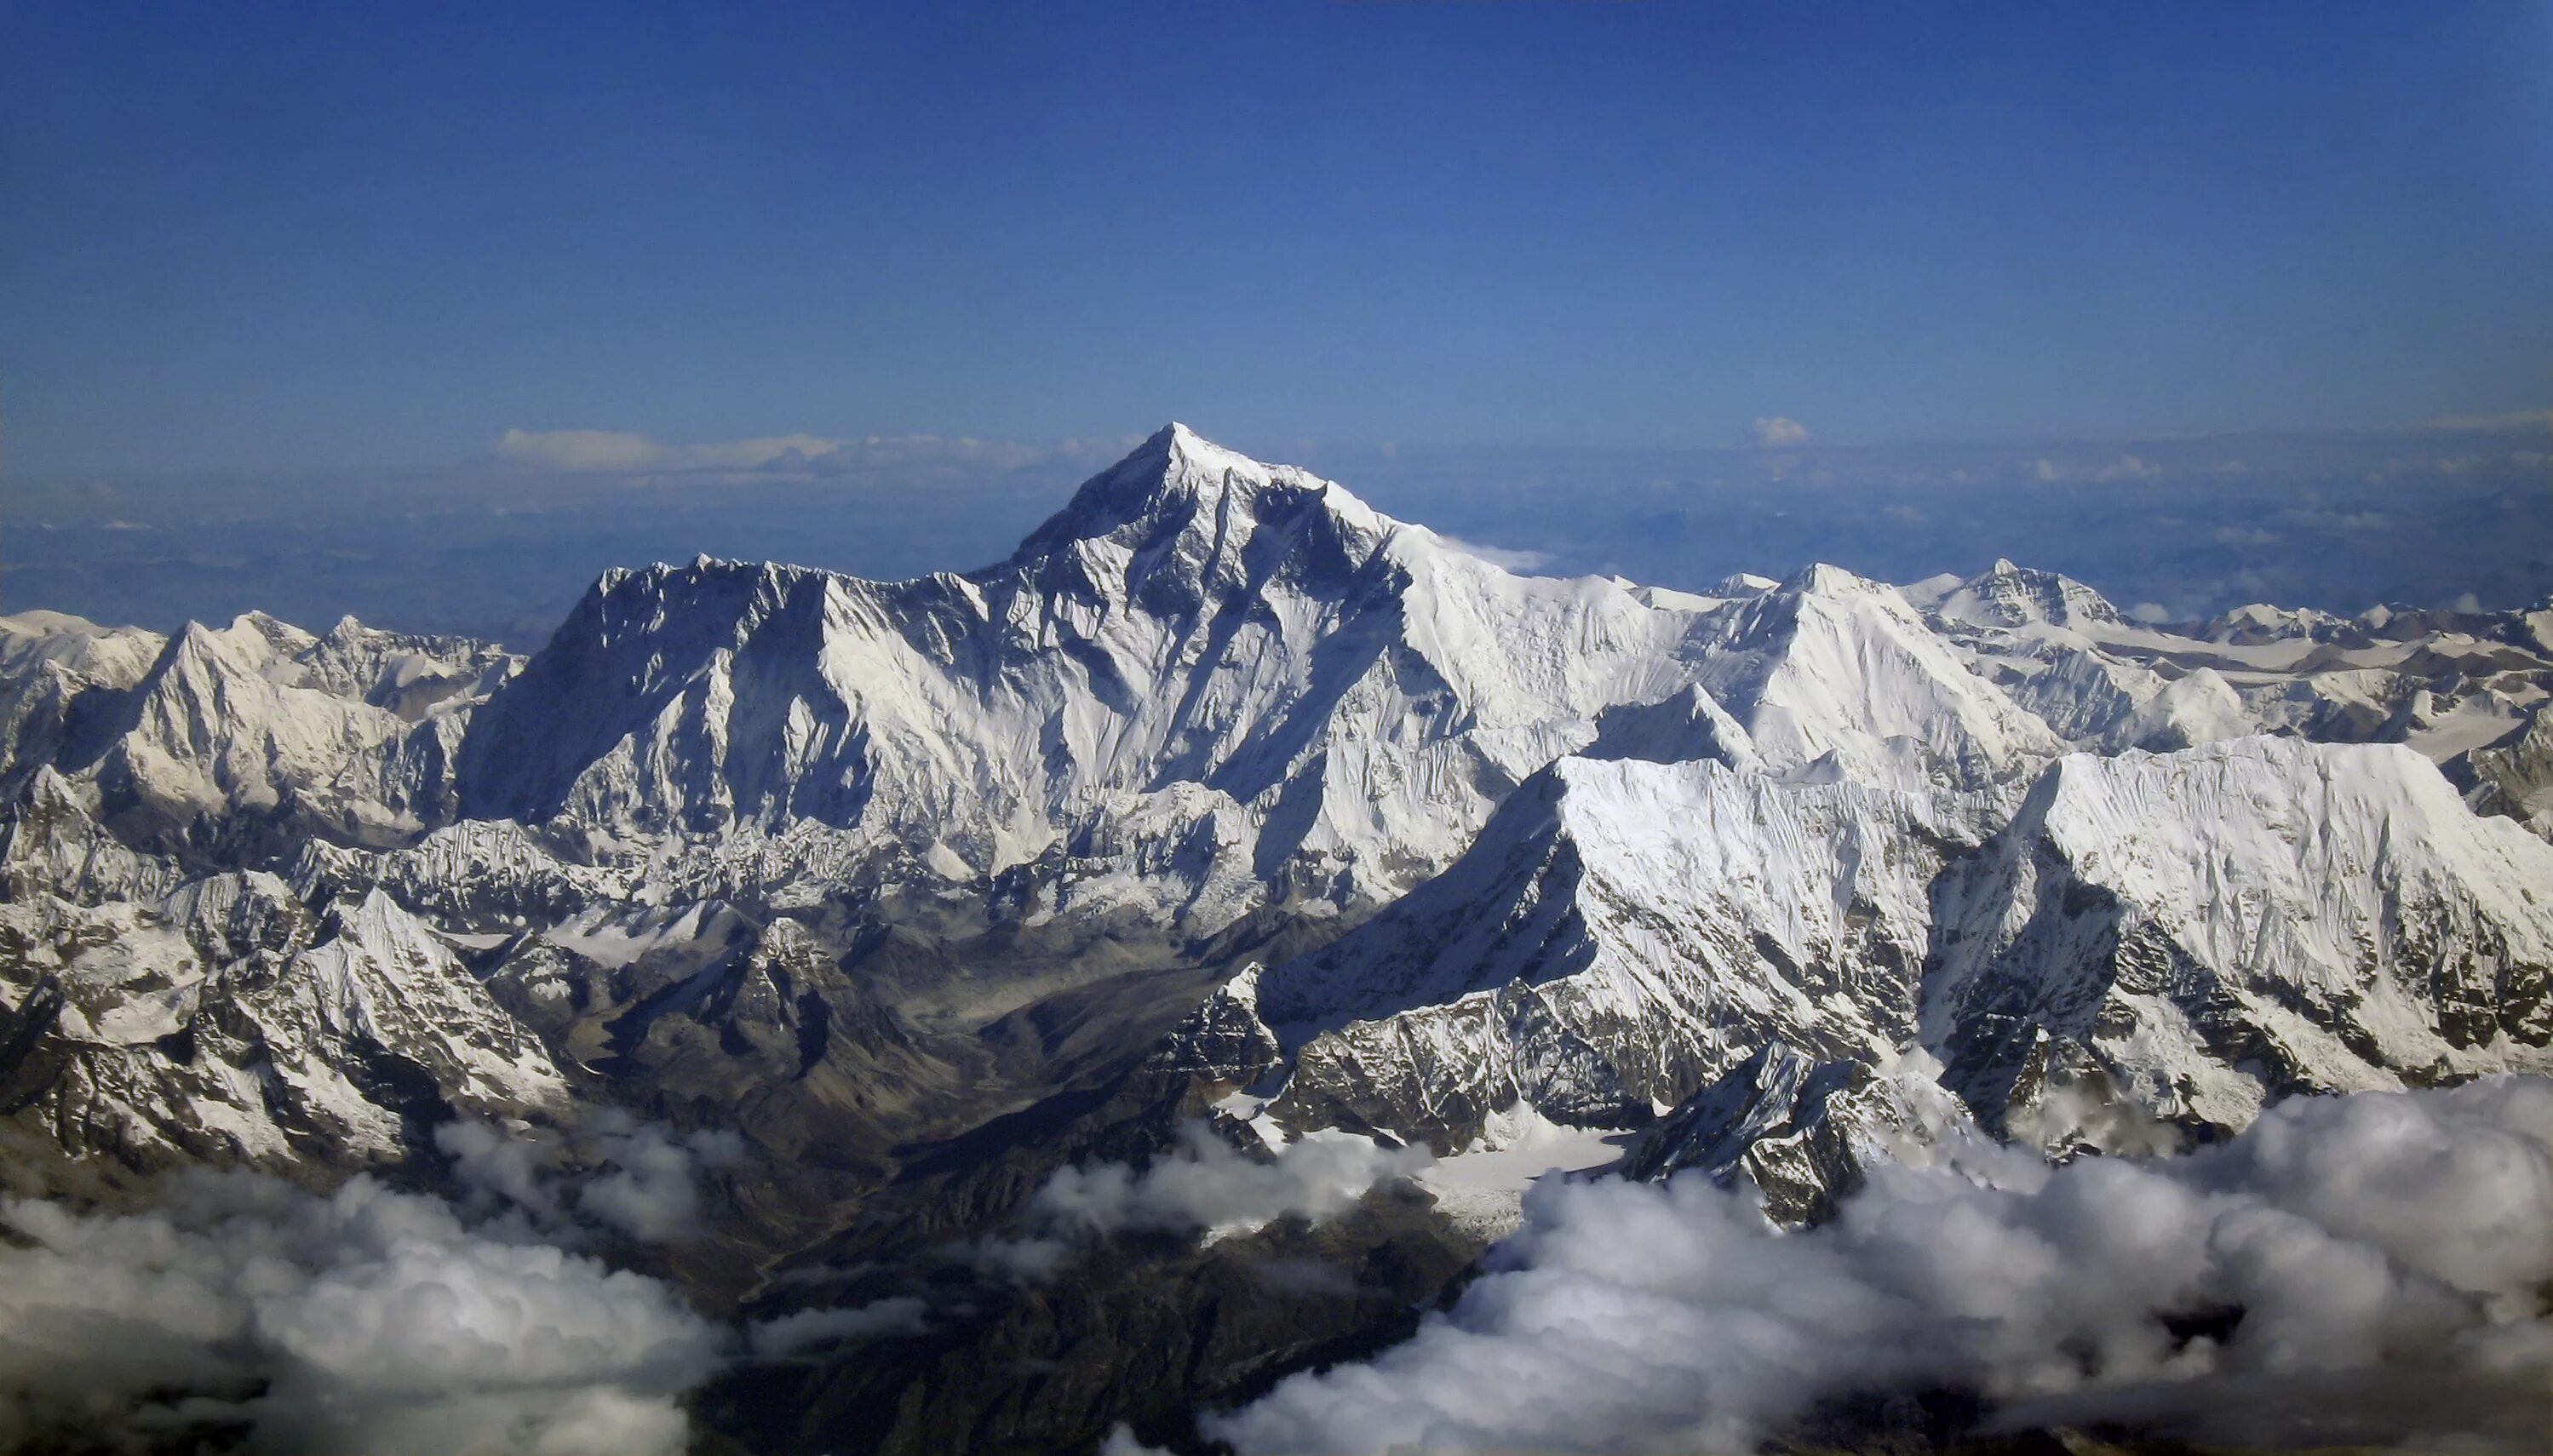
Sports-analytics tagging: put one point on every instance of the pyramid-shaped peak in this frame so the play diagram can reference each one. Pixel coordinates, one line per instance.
(1175, 449)
(1820, 579)
(2010, 595)
(1171, 475)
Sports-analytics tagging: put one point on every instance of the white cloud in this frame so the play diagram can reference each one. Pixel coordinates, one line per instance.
(363, 1321)
(651, 1190)
(1777, 431)
(1208, 1183)
(2150, 613)
(1204, 1183)
(2244, 535)
(640, 1181)
(1504, 559)
(581, 449)
(623, 452)
(617, 450)
(767, 457)
(2348, 1272)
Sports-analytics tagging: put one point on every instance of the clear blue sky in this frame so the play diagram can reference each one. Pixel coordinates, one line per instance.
(278, 237)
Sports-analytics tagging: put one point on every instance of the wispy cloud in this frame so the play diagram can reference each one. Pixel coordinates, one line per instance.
(623, 450)
(1202, 1183)
(2107, 471)
(1523, 562)
(769, 457)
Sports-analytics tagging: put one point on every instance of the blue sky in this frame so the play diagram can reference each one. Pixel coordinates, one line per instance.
(276, 238)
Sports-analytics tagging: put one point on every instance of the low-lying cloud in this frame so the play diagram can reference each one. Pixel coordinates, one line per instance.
(1203, 1184)
(242, 1312)
(616, 1175)
(900, 1314)
(2371, 1270)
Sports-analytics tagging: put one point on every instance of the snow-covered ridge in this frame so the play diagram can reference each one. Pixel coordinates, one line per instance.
(255, 733)
(2211, 928)
(1621, 933)
(1594, 846)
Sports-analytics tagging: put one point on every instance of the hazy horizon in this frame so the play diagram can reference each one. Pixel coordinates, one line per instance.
(500, 546)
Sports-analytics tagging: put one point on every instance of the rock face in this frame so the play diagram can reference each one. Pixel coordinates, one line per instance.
(2217, 927)
(237, 741)
(1226, 781)
(227, 1022)
(1804, 1131)
(1240, 676)
(1621, 933)
(2513, 776)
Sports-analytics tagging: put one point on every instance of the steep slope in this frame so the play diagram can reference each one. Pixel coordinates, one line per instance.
(1831, 673)
(1805, 1133)
(2514, 775)
(1620, 934)
(227, 1022)
(1196, 644)
(2207, 930)
(50, 846)
(242, 739)
(50, 662)
(2009, 596)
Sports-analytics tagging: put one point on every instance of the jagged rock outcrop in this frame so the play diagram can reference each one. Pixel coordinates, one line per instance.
(1805, 1133)
(2218, 927)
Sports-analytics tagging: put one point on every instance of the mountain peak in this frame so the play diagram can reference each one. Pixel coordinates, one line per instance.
(1819, 579)
(2010, 595)
(1176, 476)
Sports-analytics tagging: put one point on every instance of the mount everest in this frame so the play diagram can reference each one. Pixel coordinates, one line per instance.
(1225, 782)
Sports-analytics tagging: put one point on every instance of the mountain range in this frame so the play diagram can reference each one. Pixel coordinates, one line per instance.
(1228, 800)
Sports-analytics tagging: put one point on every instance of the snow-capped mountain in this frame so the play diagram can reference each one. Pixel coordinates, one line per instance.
(2208, 930)
(2197, 931)
(2451, 685)
(1417, 846)
(1239, 675)
(1620, 934)
(229, 1022)
(242, 739)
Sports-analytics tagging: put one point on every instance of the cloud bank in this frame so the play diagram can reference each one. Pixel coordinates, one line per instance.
(2369, 1269)
(244, 1312)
